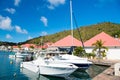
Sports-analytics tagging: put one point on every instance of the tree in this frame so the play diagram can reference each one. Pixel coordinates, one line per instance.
(79, 51)
(32, 47)
(19, 46)
(91, 55)
(99, 48)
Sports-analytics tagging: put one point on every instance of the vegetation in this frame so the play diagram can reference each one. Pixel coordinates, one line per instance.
(91, 55)
(99, 48)
(79, 51)
(19, 46)
(87, 32)
(7, 43)
(32, 47)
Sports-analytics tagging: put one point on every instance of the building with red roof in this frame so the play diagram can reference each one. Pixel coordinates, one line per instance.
(67, 42)
(112, 43)
(27, 46)
(107, 39)
(46, 45)
(15, 48)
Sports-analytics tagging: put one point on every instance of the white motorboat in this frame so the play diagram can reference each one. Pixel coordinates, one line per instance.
(16, 55)
(58, 56)
(80, 62)
(45, 66)
(19, 54)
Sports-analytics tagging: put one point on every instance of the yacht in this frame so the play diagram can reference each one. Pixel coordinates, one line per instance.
(78, 61)
(17, 55)
(21, 54)
(44, 66)
(58, 56)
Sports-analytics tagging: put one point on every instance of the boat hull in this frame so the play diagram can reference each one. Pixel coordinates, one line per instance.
(30, 66)
(51, 69)
(85, 66)
(56, 71)
(79, 62)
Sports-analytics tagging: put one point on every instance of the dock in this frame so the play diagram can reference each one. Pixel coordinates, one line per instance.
(108, 74)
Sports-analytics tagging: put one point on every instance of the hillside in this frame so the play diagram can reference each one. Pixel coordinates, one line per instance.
(7, 43)
(86, 32)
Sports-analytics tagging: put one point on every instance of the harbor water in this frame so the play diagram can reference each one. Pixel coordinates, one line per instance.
(10, 70)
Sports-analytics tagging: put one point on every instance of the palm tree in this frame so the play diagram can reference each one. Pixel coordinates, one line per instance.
(99, 48)
(79, 51)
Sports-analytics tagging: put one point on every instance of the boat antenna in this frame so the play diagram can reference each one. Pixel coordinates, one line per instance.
(78, 31)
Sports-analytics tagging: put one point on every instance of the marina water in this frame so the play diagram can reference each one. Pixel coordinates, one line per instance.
(10, 70)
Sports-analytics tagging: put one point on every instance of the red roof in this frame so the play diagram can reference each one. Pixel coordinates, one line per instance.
(28, 45)
(107, 39)
(46, 45)
(38, 47)
(67, 41)
(49, 43)
(15, 46)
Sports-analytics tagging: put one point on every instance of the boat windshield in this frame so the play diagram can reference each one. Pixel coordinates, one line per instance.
(50, 54)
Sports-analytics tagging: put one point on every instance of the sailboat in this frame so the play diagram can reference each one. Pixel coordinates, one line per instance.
(80, 62)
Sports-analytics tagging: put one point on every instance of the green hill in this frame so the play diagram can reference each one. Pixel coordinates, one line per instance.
(87, 32)
(7, 43)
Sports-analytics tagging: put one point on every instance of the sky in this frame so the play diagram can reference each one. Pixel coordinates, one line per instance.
(21, 20)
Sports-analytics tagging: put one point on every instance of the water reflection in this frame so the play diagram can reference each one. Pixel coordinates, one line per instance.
(80, 74)
(34, 76)
(94, 70)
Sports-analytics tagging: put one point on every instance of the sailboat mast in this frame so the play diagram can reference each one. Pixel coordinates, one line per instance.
(71, 20)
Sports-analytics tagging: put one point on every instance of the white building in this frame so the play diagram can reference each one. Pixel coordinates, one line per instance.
(111, 43)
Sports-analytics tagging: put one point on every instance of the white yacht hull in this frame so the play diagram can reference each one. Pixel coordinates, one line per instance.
(80, 62)
(56, 71)
(16, 56)
(30, 66)
(49, 68)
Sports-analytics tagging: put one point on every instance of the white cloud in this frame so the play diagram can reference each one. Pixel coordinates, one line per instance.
(19, 30)
(44, 20)
(55, 3)
(10, 10)
(8, 36)
(43, 33)
(5, 23)
(16, 3)
(29, 37)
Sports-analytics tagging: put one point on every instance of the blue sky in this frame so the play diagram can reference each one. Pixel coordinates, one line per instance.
(21, 20)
